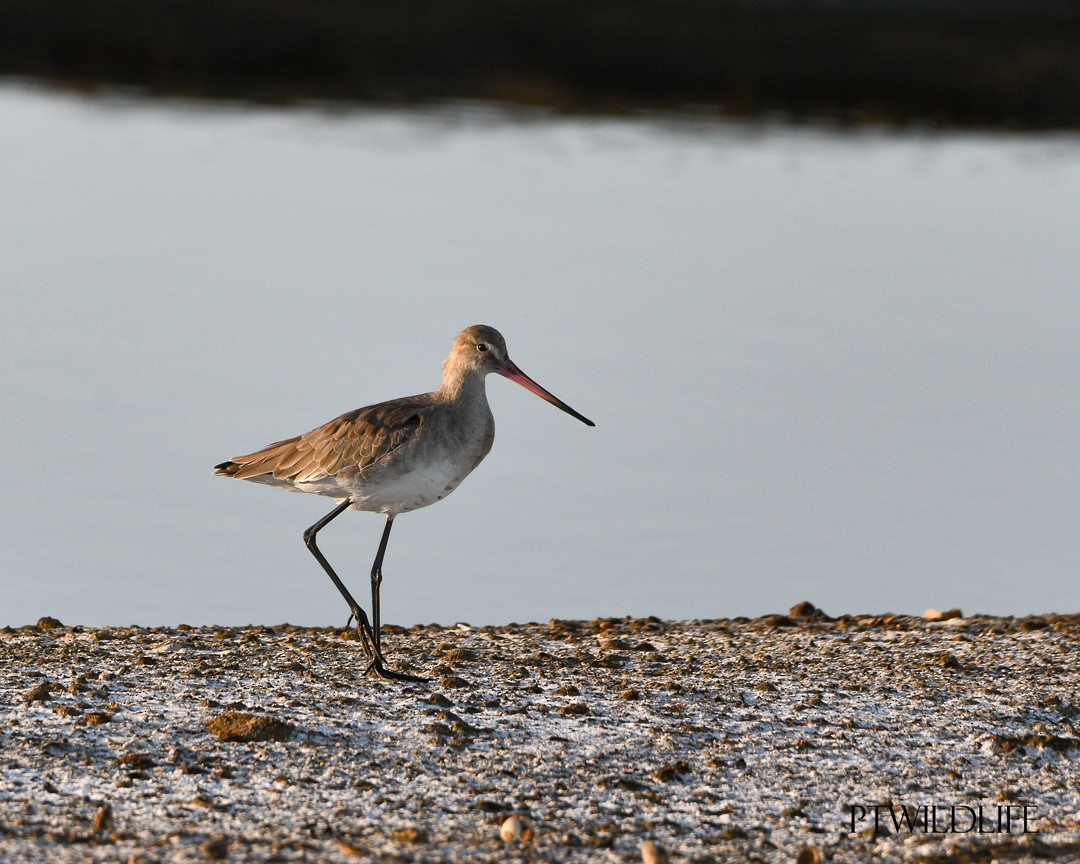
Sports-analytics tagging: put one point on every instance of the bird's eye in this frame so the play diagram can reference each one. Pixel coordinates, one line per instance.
(481, 346)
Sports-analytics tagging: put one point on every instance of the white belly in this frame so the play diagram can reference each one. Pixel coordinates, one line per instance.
(393, 492)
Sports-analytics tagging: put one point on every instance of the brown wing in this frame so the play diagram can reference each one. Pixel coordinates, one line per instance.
(348, 444)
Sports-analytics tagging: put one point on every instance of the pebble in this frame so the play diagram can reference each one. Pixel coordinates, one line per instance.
(41, 693)
(216, 847)
(103, 819)
(239, 726)
(948, 615)
(410, 834)
(807, 611)
(516, 829)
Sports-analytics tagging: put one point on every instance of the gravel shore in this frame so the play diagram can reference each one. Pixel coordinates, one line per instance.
(782, 738)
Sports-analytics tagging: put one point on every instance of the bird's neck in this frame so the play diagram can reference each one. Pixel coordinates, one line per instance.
(462, 388)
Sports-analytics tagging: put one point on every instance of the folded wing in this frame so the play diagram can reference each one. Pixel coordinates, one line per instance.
(343, 448)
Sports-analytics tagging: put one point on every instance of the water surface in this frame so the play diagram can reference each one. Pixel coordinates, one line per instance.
(839, 367)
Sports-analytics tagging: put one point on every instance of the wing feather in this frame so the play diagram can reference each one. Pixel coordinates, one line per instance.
(351, 443)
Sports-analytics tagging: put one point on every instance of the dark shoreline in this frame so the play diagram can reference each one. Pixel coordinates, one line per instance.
(1006, 66)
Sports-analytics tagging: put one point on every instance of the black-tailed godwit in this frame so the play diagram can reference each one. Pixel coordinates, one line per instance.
(394, 457)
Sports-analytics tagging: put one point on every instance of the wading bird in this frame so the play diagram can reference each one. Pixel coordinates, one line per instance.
(394, 457)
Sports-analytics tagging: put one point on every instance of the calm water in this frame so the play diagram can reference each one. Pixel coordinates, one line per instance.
(841, 368)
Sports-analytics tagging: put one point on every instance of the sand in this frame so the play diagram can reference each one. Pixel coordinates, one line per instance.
(772, 739)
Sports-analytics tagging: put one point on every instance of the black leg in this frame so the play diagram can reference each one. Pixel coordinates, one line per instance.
(368, 637)
(376, 582)
(363, 626)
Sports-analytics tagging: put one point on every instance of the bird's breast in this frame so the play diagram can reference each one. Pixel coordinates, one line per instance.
(428, 471)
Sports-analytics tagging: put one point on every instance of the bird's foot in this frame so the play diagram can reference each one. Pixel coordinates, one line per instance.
(373, 649)
(377, 668)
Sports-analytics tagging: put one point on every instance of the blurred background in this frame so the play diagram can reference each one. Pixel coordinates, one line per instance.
(810, 266)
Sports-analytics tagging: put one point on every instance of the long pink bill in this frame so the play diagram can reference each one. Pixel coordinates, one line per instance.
(510, 370)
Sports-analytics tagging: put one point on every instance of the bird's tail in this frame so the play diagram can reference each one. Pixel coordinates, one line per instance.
(277, 459)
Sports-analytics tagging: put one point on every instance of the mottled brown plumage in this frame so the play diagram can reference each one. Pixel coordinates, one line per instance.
(341, 451)
(396, 456)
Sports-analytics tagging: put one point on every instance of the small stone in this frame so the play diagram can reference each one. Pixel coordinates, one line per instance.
(98, 718)
(947, 615)
(807, 611)
(236, 726)
(408, 835)
(516, 829)
(103, 819)
(611, 660)
(455, 724)
(216, 847)
(667, 773)
(809, 855)
(453, 682)
(653, 853)
(48, 622)
(456, 656)
(136, 761)
(351, 850)
(41, 693)
(575, 709)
